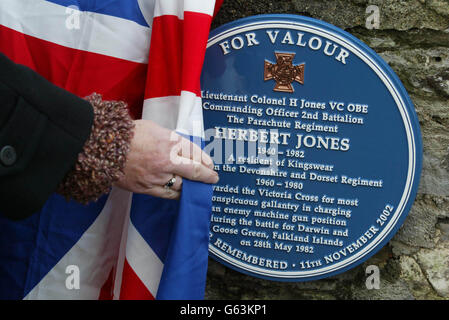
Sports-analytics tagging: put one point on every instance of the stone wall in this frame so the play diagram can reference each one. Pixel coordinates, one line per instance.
(413, 37)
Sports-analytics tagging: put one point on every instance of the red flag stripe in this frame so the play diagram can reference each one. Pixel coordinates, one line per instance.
(184, 41)
(180, 7)
(77, 71)
(132, 287)
(106, 291)
(107, 35)
(218, 4)
(195, 39)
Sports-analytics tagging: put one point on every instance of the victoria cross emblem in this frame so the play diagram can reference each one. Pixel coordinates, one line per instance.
(284, 72)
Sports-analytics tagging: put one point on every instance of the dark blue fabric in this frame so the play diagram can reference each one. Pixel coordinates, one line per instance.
(185, 268)
(178, 232)
(30, 248)
(154, 219)
(186, 261)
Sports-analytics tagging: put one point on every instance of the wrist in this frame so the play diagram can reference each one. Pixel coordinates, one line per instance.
(102, 161)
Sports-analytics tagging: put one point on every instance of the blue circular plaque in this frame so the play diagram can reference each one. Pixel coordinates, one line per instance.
(316, 142)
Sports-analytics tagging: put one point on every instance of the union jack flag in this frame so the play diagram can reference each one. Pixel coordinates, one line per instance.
(148, 53)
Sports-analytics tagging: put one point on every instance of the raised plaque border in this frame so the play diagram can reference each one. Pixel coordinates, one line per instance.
(410, 121)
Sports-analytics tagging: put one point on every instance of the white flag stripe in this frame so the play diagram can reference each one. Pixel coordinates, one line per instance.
(178, 7)
(182, 113)
(94, 254)
(98, 33)
(147, 9)
(142, 259)
(121, 255)
(190, 116)
(164, 111)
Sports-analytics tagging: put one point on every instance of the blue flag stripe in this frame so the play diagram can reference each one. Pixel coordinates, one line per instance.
(30, 248)
(153, 218)
(185, 269)
(126, 9)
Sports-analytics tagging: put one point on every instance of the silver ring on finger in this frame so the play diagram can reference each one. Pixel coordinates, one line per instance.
(170, 183)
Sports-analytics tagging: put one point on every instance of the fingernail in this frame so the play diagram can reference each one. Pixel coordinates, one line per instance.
(217, 178)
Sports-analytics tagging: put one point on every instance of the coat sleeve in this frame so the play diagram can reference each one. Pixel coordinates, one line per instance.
(42, 130)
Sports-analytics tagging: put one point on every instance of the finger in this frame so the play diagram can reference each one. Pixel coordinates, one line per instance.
(163, 192)
(163, 179)
(192, 151)
(194, 170)
(178, 184)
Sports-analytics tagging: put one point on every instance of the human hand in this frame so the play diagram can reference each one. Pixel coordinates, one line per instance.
(157, 155)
